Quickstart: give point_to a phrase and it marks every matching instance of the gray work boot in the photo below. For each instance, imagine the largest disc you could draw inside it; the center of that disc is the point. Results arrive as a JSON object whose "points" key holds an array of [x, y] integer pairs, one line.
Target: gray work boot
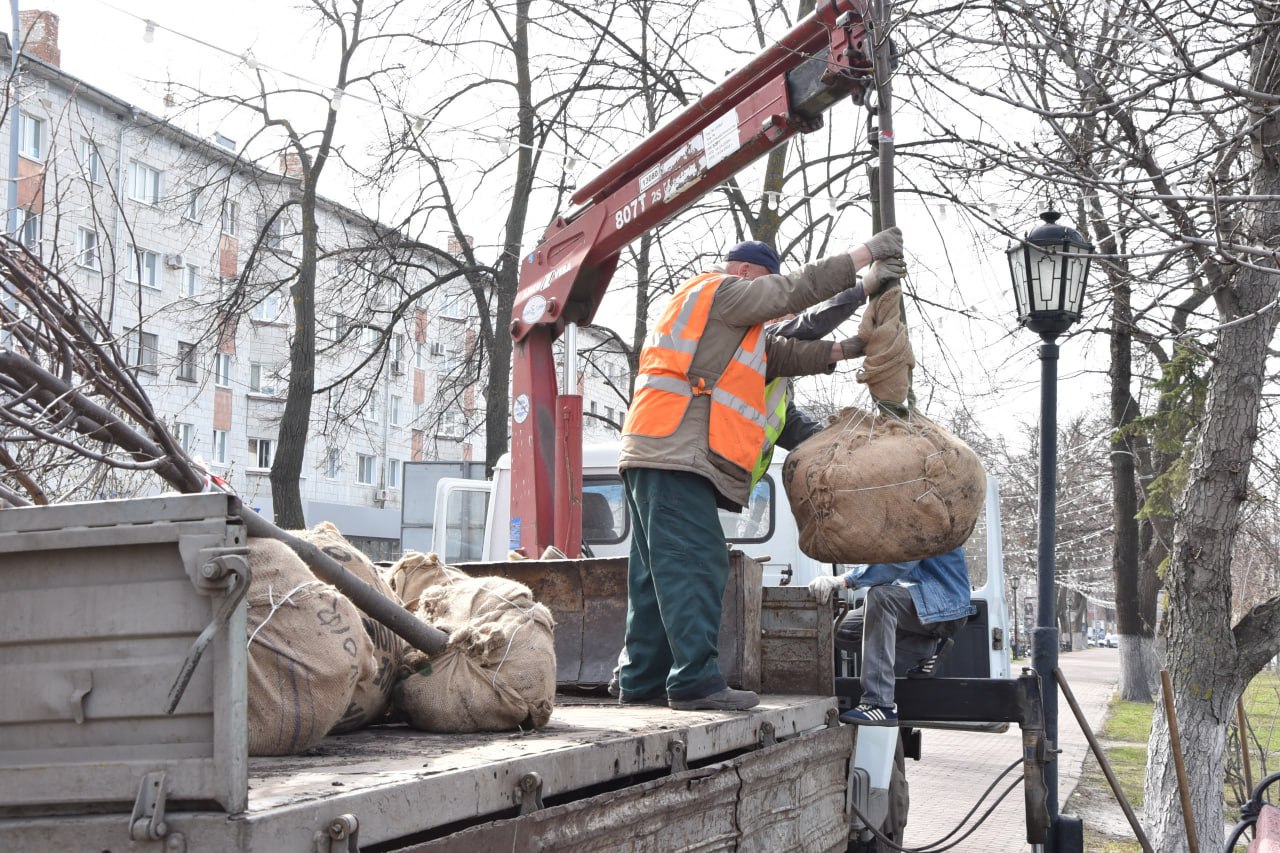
{"points": [[727, 699]]}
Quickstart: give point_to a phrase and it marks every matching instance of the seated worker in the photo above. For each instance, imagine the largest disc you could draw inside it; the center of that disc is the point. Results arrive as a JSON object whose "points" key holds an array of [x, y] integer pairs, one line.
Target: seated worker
{"points": [[912, 611]]}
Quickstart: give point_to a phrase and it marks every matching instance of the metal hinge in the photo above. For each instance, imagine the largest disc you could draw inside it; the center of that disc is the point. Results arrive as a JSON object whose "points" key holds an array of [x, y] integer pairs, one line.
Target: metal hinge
{"points": [[147, 821], [678, 751], [768, 735], [342, 835], [529, 793]]}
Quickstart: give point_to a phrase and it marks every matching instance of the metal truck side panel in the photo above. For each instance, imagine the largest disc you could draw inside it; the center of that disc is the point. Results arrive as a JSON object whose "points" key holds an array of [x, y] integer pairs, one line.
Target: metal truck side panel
{"points": [[787, 797], [588, 600], [797, 639], [102, 603], [397, 781]]}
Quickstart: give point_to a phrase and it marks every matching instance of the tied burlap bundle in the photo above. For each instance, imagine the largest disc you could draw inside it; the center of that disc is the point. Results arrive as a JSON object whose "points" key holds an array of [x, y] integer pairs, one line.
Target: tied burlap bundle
{"points": [[307, 651], [373, 690], [889, 358], [415, 571], [499, 669], [877, 488]]}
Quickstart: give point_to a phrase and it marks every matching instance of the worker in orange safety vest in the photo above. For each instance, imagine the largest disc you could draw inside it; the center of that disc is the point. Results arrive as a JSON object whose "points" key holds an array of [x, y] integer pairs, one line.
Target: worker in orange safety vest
{"points": [[691, 440]]}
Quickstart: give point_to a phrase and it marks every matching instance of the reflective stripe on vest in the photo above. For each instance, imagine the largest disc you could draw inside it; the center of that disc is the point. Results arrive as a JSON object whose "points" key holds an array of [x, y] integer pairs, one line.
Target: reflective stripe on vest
{"points": [[775, 409], [663, 388]]}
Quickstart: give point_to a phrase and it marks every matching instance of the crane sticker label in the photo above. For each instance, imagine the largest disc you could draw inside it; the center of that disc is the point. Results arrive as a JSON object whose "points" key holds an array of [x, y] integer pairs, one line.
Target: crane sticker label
{"points": [[520, 410], [720, 139], [670, 177]]}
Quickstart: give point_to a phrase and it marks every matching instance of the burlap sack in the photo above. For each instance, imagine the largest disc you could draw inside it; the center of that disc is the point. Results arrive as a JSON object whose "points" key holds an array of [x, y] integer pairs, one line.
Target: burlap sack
{"points": [[307, 650], [499, 669], [876, 488], [889, 359], [415, 571], [372, 695]]}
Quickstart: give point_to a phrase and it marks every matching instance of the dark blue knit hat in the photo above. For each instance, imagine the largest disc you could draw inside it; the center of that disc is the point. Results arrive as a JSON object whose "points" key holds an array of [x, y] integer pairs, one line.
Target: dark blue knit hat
{"points": [[755, 252]]}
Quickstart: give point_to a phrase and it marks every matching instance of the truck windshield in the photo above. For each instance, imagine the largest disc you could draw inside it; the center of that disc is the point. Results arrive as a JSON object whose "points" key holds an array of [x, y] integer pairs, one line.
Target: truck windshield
{"points": [[604, 511], [755, 523]]}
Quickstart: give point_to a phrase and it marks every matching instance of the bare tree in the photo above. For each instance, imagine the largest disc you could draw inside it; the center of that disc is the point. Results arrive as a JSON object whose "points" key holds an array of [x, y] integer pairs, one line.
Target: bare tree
{"points": [[1134, 111]]}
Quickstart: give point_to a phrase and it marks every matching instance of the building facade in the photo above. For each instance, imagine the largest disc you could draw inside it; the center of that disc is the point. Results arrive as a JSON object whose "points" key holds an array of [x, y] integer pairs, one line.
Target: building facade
{"points": [[188, 251]]}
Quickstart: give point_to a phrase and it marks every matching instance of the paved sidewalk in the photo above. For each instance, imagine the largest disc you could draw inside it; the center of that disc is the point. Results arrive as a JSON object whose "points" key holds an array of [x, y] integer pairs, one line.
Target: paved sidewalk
{"points": [[956, 767]]}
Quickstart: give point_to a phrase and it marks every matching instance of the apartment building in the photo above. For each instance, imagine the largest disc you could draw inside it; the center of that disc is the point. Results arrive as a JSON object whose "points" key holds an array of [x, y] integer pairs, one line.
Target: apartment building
{"points": [[188, 252]]}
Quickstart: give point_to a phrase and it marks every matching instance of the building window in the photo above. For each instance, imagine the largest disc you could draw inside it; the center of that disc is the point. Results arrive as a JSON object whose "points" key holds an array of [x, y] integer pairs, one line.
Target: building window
{"points": [[222, 370], [420, 354], [87, 248], [261, 379], [373, 409], [393, 473], [220, 446], [30, 233], [144, 267], [268, 310], [90, 162], [365, 472], [397, 405], [230, 217], [186, 361], [30, 137], [341, 325], [333, 465], [260, 454], [191, 280], [186, 437], [144, 183], [274, 237], [397, 354], [195, 206], [143, 351]]}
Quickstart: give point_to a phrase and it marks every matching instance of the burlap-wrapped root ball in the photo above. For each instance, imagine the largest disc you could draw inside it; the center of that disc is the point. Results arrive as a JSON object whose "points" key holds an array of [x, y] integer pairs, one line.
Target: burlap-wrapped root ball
{"points": [[415, 571], [307, 652], [372, 695], [877, 488], [499, 669]]}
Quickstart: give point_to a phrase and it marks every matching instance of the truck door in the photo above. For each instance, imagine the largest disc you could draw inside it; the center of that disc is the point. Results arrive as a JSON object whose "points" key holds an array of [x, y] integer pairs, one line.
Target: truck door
{"points": [[458, 528]]}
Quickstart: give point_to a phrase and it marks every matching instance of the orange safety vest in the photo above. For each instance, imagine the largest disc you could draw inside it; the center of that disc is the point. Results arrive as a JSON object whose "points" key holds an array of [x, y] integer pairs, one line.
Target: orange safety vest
{"points": [[663, 389]]}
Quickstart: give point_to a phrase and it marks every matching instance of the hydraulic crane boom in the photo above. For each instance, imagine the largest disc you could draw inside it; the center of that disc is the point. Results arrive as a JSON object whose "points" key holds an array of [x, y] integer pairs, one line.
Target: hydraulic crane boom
{"points": [[782, 91]]}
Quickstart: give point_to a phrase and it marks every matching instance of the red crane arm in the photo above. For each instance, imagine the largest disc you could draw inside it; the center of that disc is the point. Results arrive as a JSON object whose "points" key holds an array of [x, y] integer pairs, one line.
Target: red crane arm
{"points": [[782, 91]]}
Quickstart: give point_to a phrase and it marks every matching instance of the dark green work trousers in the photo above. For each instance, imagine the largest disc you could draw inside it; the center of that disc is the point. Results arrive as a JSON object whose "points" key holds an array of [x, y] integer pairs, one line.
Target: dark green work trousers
{"points": [[675, 586]]}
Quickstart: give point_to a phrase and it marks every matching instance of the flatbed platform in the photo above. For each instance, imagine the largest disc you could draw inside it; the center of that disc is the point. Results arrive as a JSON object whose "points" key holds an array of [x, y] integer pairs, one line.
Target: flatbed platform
{"points": [[393, 777]]}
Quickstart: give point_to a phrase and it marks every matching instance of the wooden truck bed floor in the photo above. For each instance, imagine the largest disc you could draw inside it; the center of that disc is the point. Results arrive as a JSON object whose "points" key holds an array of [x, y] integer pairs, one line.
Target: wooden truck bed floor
{"points": [[393, 777]]}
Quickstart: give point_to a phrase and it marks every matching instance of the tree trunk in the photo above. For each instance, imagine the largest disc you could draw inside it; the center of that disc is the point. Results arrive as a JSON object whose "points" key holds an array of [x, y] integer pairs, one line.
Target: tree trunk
{"points": [[1208, 662], [1135, 635], [507, 278], [295, 422]]}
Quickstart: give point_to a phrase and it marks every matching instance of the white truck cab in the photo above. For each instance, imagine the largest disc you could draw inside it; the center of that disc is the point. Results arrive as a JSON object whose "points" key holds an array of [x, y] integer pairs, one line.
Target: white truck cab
{"points": [[765, 530]]}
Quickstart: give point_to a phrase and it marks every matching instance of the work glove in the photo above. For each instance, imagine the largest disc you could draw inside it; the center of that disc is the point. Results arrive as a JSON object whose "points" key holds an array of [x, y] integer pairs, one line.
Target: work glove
{"points": [[854, 347], [885, 244], [824, 586], [883, 273]]}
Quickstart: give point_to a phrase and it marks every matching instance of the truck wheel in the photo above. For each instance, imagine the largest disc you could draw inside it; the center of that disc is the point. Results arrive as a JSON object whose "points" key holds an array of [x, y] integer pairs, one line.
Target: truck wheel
{"points": [[895, 823]]}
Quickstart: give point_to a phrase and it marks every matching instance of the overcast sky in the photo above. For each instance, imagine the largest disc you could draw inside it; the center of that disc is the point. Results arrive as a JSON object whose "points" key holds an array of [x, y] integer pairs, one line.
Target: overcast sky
{"points": [[103, 43]]}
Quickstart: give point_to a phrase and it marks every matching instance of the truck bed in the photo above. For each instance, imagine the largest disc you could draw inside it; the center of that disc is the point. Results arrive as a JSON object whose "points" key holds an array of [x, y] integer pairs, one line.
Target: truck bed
{"points": [[406, 787]]}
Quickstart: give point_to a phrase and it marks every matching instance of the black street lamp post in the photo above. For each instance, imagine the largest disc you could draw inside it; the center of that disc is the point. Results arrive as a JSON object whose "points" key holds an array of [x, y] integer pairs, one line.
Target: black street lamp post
{"points": [[1017, 612], [1049, 268]]}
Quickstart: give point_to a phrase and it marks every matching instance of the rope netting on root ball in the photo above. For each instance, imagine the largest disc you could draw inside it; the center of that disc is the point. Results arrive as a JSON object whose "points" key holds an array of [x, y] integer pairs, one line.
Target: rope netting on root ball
{"points": [[885, 484]]}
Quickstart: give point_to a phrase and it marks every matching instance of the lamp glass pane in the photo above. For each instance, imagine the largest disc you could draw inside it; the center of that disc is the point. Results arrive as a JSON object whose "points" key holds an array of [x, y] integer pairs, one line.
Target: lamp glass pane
{"points": [[1044, 266], [1077, 270], [1018, 271]]}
